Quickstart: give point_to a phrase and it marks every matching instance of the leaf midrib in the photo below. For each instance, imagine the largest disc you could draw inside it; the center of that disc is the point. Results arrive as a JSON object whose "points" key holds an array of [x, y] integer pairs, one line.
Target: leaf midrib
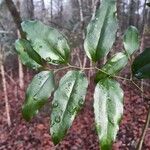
{"points": [[103, 29], [108, 119], [42, 86], [68, 100], [57, 52]]}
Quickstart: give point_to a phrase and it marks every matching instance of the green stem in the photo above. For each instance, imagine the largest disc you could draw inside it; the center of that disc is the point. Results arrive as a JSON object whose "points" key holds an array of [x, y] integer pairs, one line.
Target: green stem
{"points": [[81, 68], [113, 75], [71, 66], [93, 68], [56, 70], [102, 71]]}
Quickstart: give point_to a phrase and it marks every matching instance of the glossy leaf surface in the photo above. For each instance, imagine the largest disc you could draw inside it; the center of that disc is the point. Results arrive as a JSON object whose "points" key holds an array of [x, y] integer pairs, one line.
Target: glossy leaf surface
{"points": [[108, 109], [113, 66], [24, 57], [50, 44], [141, 65], [68, 99], [101, 31], [37, 94], [31, 52], [131, 40]]}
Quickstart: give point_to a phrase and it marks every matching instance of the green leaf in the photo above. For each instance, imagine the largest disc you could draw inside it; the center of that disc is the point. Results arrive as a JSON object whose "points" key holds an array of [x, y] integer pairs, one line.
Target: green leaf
{"points": [[50, 44], [101, 31], [141, 65], [37, 94], [31, 52], [112, 66], [24, 57], [131, 40], [108, 110], [68, 99]]}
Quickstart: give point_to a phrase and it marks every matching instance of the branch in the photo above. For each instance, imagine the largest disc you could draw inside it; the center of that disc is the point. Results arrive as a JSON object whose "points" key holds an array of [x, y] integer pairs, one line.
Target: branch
{"points": [[144, 131], [16, 16], [5, 32], [59, 26]]}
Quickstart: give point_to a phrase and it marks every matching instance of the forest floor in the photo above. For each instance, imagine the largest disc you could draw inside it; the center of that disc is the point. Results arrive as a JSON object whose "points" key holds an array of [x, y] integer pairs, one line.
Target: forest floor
{"points": [[82, 135]]}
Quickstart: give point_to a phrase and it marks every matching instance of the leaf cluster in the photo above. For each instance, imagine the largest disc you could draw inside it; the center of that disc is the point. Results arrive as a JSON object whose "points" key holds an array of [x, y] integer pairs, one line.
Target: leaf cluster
{"points": [[45, 45]]}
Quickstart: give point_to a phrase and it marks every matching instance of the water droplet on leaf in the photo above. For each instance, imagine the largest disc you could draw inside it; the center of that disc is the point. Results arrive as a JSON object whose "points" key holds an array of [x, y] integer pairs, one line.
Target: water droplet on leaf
{"points": [[52, 124], [48, 59], [40, 46], [34, 67], [69, 84], [71, 110], [39, 77], [57, 119], [81, 102], [109, 99], [55, 105], [60, 38], [139, 74], [55, 61], [34, 98]]}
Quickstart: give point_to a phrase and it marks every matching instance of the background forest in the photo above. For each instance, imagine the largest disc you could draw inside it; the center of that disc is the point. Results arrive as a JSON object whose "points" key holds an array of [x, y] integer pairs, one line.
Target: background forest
{"points": [[71, 18]]}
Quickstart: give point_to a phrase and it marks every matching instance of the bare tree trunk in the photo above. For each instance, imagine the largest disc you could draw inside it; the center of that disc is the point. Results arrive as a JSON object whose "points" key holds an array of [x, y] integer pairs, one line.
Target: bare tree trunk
{"points": [[21, 74], [81, 18], [123, 24], [142, 44], [142, 82], [119, 15], [5, 91], [95, 5], [43, 10], [148, 15], [60, 10], [51, 4], [17, 19], [20, 70], [144, 16], [16, 16], [5, 95], [131, 12], [27, 9], [138, 16], [82, 29], [43, 5]]}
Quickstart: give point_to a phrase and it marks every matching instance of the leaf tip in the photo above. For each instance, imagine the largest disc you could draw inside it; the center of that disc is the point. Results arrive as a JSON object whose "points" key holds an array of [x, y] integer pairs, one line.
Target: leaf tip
{"points": [[55, 139], [25, 115], [106, 146]]}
